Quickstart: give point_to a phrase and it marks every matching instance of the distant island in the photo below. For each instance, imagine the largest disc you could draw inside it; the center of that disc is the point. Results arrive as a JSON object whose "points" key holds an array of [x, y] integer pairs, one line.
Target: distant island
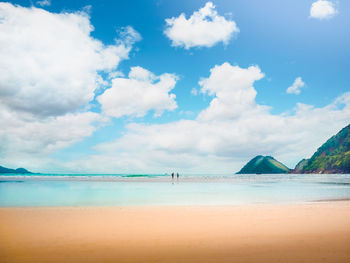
{"points": [[332, 157], [264, 165], [4, 170]]}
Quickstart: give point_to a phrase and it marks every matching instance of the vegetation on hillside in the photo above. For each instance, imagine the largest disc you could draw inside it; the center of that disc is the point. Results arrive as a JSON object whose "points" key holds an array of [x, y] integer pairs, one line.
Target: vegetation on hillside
{"points": [[264, 165], [332, 157]]}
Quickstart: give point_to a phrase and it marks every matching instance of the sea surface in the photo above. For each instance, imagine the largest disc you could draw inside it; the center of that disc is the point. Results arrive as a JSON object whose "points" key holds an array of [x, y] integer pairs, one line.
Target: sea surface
{"points": [[135, 190]]}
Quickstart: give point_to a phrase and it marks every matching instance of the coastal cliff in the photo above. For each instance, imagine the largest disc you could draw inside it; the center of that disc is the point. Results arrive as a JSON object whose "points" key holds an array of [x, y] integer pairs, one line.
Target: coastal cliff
{"points": [[332, 157]]}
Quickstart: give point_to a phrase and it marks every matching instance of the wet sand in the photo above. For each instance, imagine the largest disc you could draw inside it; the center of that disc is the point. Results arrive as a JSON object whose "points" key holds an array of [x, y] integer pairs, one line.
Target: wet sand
{"points": [[313, 232]]}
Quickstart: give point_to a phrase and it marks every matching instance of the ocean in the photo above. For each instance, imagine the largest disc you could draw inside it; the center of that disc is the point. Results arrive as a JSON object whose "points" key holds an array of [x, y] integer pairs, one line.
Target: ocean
{"points": [[154, 190]]}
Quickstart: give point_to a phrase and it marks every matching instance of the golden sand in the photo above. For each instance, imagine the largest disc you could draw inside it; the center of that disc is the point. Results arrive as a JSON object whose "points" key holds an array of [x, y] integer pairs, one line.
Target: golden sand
{"points": [[315, 232]]}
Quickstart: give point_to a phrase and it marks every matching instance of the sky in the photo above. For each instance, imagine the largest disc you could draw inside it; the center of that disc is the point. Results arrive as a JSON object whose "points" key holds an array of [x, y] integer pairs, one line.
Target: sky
{"points": [[159, 86]]}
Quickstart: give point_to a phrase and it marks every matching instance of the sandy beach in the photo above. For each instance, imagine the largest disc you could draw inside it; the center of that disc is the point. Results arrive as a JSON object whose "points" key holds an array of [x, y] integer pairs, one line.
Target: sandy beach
{"points": [[312, 232]]}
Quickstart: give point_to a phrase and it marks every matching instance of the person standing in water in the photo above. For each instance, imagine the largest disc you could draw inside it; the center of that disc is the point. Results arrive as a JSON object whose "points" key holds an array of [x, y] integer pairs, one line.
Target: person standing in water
{"points": [[172, 176], [177, 176]]}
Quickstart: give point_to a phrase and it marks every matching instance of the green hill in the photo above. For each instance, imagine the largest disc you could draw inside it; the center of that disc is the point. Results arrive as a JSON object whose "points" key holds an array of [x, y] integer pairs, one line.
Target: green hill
{"points": [[4, 170], [300, 166], [332, 157], [264, 165]]}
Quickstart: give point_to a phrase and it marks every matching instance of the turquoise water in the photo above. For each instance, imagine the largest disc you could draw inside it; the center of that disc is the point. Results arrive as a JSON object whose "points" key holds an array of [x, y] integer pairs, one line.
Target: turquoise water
{"points": [[121, 190]]}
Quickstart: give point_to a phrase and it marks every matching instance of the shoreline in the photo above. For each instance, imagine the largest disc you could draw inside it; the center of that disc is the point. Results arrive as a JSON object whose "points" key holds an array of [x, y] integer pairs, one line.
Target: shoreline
{"points": [[332, 200], [308, 232], [160, 177], [260, 204]]}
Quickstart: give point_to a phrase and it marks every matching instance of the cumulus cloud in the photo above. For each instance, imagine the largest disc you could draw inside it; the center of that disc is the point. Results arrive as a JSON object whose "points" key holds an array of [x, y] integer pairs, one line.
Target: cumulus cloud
{"points": [[233, 90], [224, 137], [50, 68], [323, 9], [297, 85], [49, 63], [204, 28], [141, 92]]}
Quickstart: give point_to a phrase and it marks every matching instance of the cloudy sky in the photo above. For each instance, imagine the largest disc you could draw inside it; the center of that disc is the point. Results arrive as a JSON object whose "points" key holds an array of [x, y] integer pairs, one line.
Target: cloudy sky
{"points": [[156, 86]]}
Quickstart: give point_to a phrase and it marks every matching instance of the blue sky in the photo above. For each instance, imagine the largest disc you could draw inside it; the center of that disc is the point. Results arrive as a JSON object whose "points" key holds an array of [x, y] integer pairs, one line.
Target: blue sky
{"points": [[283, 40]]}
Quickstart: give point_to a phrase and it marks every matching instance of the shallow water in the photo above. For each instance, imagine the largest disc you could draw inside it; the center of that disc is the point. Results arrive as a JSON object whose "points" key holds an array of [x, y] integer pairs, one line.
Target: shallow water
{"points": [[121, 190]]}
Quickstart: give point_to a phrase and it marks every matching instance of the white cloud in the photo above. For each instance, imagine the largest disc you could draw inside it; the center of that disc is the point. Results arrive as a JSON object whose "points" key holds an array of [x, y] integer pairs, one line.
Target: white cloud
{"points": [[50, 68], [49, 63], [297, 85], [141, 92], [115, 74], [233, 90], [204, 28], [44, 3], [128, 36], [222, 138], [22, 135], [323, 9]]}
